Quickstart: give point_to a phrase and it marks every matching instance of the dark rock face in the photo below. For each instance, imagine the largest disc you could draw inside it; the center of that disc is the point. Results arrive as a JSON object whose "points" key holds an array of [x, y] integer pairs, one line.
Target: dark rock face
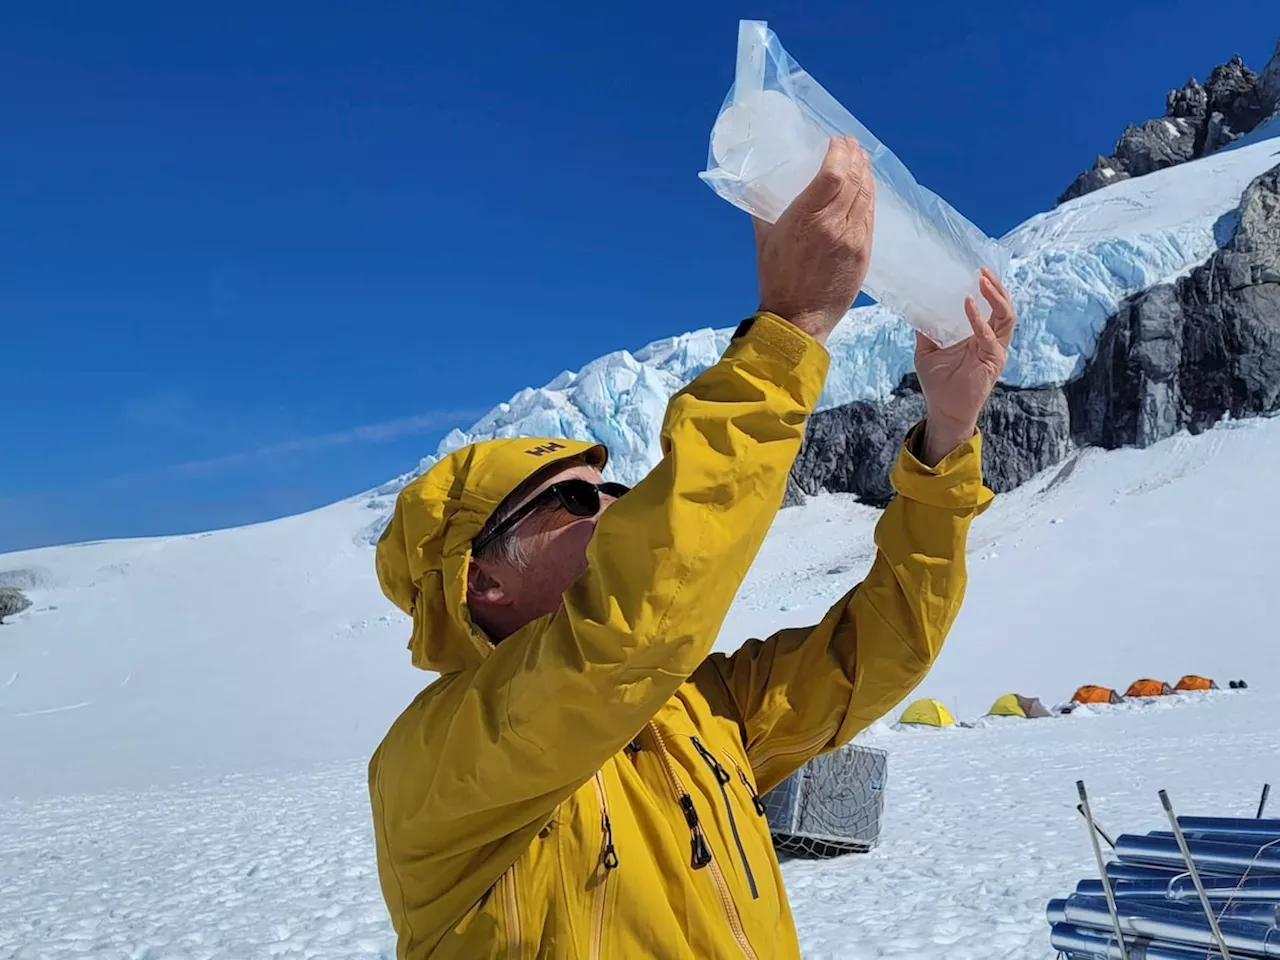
{"points": [[1189, 353], [1269, 82], [852, 448], [1198, 120], [1177, 356]]}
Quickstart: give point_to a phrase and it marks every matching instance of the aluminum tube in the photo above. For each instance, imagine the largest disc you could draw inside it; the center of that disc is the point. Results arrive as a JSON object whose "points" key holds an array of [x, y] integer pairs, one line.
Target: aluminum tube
{"points": [[1251, 839], [1210, 856], [1091, 943], [1229, 825], [1138, 871], [1229, 888], [1056, 911], [1259, 910], [1218, 888], [1141, 919]]}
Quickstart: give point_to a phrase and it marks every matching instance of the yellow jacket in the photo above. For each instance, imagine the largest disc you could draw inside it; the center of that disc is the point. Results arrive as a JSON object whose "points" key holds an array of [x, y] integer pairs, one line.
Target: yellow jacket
{"points": [[588, 788]]}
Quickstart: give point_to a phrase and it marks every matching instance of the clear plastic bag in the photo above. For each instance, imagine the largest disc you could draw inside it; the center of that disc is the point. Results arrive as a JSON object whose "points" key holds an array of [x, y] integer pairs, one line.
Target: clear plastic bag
{"points": [[768, 142]]}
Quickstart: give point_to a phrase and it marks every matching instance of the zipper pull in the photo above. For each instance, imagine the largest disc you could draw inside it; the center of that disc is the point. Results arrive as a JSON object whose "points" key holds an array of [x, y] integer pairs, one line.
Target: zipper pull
{"points": [[610, 855], [722, 775], [701, 852], [755, 797], [634, 746]]}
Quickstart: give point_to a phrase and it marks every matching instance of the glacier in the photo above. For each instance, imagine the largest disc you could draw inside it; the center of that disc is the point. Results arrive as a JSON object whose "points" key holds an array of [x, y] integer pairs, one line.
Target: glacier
{"points": [[1069, 269]]}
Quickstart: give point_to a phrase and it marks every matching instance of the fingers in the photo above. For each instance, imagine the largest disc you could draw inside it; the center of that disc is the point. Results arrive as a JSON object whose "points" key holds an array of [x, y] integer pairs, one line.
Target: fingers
{"points": [[862, 208], [981, 328], [824, 189], [1003, 314]]}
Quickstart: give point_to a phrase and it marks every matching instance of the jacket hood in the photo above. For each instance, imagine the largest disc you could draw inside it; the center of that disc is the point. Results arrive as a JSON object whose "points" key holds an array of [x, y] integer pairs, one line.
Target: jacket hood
{"points": [[423, 555]]}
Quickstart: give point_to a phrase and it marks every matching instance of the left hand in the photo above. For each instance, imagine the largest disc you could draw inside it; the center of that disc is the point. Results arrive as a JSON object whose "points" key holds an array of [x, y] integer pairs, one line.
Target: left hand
{"points": [[956, 381]]}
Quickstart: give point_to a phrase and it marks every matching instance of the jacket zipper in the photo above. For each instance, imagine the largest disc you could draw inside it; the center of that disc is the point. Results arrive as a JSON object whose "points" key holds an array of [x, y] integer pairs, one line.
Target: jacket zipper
{"points": [[691, 817], [755, 797], [608, 860], [511, 907], [723, 778]]}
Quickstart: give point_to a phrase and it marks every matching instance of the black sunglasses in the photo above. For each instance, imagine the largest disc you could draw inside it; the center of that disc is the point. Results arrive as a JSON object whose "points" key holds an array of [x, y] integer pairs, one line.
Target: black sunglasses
{"points": [[579, 497]]}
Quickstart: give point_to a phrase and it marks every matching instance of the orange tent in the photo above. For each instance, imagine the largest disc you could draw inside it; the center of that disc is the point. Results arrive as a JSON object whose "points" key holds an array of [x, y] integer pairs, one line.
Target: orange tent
{"points": [[1148, 688], [1090, 694], [1193, 682]]}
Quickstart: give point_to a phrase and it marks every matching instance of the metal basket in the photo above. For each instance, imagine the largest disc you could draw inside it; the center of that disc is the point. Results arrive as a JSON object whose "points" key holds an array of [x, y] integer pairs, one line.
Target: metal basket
{"points": [[830, 806]]}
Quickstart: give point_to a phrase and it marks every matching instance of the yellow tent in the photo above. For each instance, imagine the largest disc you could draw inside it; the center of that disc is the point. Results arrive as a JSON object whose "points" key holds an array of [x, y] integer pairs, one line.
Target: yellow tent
{"points": [[1013, 705], [927, 713]]}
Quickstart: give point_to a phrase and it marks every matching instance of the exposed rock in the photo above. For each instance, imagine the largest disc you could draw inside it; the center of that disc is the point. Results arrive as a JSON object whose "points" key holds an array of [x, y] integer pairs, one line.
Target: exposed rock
{"points": [[1198, 120], [1190, 101], [1177, 356], [852, 448], [1184, 355], [1105, 171], [1218, 134], [1233, 92], [1156, 144], [12, 602], [1269, 84]]}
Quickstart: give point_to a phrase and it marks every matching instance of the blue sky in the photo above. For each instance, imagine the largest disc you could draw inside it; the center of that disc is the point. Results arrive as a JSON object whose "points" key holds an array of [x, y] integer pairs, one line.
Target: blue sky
{"points": [[258, 257]]}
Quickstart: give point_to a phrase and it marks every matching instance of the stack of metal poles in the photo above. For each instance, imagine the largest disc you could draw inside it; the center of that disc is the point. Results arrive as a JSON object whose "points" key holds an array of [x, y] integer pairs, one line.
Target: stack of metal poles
{"points": [[1159, 912]]}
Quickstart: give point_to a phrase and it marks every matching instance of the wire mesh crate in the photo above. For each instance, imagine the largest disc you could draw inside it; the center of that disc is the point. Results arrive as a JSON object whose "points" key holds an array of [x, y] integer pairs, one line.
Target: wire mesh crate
{"points": [[830, 806]]}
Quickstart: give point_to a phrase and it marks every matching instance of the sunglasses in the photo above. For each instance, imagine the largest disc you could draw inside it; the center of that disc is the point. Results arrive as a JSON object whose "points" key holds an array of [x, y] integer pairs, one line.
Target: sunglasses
{"points": [[579, 497]]}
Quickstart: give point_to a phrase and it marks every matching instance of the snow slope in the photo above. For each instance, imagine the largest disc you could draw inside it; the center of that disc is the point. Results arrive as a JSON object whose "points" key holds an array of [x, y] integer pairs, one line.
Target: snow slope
{"points": [[979, 833], [1070, 268], [184, 722]]}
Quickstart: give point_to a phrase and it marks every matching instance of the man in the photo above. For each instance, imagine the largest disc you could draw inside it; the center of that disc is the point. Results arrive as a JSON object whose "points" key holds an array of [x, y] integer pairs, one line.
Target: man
{"points": [[583, 779]]}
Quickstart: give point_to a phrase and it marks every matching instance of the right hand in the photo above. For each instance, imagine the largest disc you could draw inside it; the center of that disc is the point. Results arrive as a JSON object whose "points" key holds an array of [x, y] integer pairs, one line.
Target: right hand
{"points": [[813, 260]]}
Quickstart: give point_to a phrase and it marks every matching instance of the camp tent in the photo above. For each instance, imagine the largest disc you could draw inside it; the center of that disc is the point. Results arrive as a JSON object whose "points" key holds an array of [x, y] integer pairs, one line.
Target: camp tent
{"points": [[927, 713], [1091, 694], [1148, 688], [1016, 705], [1193, 682]]}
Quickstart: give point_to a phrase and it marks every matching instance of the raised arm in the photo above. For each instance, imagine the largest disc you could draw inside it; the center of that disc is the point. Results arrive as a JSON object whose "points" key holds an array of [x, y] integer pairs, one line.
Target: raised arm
{"points": [[806, 691]]}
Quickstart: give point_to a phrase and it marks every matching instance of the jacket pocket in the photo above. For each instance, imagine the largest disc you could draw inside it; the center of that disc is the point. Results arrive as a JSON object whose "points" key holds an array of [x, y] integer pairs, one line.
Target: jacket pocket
{"points": [[722, 778]]}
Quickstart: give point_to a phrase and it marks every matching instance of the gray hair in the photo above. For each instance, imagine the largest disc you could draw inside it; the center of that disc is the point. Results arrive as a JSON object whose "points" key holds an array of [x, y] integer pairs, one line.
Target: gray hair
{"points": [[508, 547]]}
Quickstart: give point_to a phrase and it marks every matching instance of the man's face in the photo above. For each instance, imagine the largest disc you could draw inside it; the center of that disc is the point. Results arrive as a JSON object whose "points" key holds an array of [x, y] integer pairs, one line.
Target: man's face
{"points": [[552, 544]]}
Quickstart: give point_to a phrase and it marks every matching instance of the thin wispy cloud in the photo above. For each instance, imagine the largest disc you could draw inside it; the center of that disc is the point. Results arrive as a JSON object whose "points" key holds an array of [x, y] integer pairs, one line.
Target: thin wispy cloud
{"points": [[383, 432]]}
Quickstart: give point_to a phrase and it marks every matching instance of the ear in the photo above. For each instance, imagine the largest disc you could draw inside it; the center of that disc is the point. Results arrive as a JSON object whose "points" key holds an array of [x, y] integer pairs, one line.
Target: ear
{"points": [[485, 586]]}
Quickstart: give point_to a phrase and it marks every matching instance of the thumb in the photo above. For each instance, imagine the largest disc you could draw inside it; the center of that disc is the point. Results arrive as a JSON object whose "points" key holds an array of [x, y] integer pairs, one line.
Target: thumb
{"points": [[825, 186]]}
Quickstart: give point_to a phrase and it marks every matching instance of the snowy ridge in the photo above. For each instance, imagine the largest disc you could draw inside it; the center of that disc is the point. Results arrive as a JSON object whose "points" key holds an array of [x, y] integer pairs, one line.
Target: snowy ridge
{"points": [[1070, 268]]}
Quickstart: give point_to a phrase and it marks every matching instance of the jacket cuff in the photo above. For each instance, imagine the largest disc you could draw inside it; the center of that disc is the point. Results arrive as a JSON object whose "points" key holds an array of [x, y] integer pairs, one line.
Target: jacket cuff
{"points": [[785, 354], [954, 484]]}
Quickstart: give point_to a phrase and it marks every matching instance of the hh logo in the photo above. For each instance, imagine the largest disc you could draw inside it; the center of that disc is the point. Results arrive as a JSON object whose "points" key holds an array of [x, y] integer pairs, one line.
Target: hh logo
{"points": [[545, 448]]}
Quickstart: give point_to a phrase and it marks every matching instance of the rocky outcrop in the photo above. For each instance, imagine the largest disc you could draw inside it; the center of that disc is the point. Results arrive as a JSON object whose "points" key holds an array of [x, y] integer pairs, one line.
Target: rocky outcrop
{"points": [[12, 602], [1269, 80], [1177, 356], [1198, 120], [1188, 354], [852, 448]]}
